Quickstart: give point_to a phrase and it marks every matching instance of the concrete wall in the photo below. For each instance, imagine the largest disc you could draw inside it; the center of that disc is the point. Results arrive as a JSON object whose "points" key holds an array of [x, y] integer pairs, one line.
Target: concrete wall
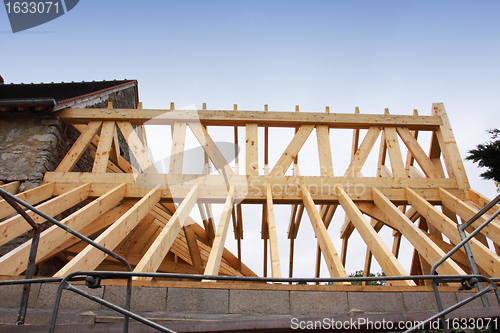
{"points": [[174, 302]]}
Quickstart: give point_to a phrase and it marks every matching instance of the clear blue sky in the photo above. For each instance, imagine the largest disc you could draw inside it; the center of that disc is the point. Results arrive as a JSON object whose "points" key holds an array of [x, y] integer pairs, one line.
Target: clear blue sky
{"points": [[402, 55]]}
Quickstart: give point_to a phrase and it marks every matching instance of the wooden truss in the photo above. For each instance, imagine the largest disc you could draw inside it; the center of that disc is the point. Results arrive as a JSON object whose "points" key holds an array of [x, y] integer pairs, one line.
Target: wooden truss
{"points": [[144, 215]]}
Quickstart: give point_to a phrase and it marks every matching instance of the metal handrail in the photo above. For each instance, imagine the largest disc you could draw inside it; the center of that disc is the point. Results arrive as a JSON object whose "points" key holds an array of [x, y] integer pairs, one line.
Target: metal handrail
{"points": [[101, 275], [464, 243], [13, 201], [93, 278]]}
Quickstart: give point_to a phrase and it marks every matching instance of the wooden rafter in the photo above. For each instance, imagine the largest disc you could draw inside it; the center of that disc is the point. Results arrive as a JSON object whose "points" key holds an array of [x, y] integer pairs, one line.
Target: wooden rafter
{"points": [[157, 252], [384, 256], [291, 151], [78, 148], [14, 262], [332, 259], [485, 258], [212, 267], [273, 237], [91, 257]]}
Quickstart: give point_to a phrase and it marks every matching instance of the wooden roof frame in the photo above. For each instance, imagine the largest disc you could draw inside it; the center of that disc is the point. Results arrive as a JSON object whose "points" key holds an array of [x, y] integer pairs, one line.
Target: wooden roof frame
{"points": [[403, 197]]}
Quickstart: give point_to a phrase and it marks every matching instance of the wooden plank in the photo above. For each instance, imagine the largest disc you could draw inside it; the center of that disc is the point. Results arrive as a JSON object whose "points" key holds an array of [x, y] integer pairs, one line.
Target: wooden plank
{"points": [[485, 258], [211, 224], [17, 225], [194, 250], [382, 170], [449, 148], [291, 151], [252, 153], [241, 118], [12, 187], [114, 155], [75, 152], [209, 228], [390, 265], [15, 261], [391, 138], [332, 259], [359, 158], [135, 145], [177, 152], [409, 157], [396, 243], [273, 237], [100, 223], [213, 264], [103, 150], [160, 247], [418, 153], [425, 247], [32, 197], [236, 152], [466, 212], [324, 151], [91, 257], [327, 213], [201, 134], [266, 151], [288, 184]]}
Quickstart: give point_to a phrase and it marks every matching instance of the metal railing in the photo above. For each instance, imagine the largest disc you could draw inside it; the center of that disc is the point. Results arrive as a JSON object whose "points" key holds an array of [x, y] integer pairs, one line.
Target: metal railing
{"points": [[93, 278], [14, 202], [465, 244]]}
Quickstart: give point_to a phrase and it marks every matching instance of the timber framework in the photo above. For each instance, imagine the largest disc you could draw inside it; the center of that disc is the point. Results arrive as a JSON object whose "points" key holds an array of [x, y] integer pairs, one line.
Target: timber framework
{"points": [[143, 215]]}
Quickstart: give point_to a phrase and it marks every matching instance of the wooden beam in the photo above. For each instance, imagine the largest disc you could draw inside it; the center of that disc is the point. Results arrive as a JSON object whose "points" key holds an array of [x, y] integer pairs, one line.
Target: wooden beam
{"points": [[12, 187], [32, 197], [201, 134], [114, 155], [418, 153], [212, 267], [138, 150], [425, 247], [332, 259], [177, 152], [194, 250], [14, 262], [17, 225], [291, 151], [241, 118], [320, 187], [211, 224], [266, 151], [385, 258], [76, 151], [359, 158], [103, 150], [391, 138], [100, 223], [485, 258], [324, 151], [209, 228], [91, 257], [160, 247], [466, 212], [273, 237], [252, 153], [449, 148]]}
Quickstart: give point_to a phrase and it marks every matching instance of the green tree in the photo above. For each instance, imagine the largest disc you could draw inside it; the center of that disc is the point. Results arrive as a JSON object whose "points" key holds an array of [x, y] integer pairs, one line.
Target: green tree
{"points": [[487, 155], [369, 283]]}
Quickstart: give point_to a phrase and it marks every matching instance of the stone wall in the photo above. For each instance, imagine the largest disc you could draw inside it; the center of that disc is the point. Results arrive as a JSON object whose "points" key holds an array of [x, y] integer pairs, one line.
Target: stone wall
{"points": [[34, 142]]}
